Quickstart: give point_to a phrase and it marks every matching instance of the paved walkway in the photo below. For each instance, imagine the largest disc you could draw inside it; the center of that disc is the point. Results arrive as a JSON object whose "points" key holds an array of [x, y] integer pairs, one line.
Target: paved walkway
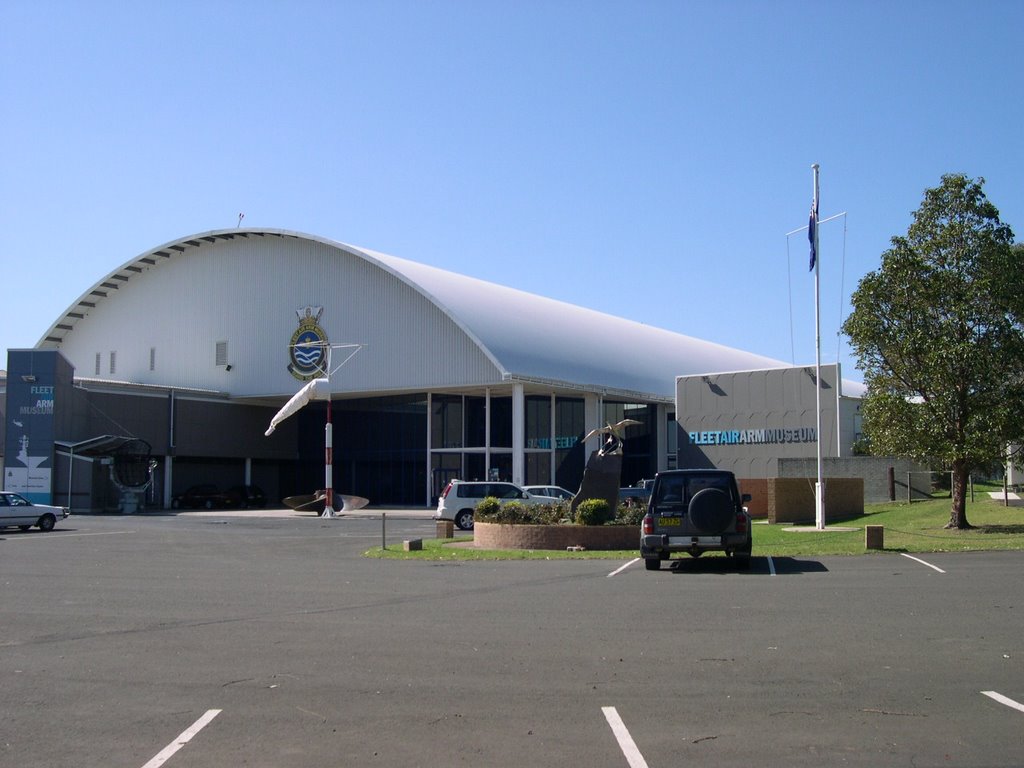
{"points": [[397, 513], [1012, 499]]}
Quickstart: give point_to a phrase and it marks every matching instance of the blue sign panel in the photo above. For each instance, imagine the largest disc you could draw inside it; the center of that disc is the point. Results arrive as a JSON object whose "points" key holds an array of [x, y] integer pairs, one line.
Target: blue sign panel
{"points": [[28, 448]]}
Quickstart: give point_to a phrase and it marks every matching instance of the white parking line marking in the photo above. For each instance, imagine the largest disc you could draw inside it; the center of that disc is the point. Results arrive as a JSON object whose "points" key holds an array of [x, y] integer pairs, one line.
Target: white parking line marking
{"points": [[185, 737], [624, 567], [1004, 700], [771, 565], [922, 562], [626, 743]]}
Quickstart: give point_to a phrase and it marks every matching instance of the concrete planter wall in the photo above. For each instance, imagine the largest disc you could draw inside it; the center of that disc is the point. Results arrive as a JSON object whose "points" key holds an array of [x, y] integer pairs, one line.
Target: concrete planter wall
{"points": [[504, 536]]}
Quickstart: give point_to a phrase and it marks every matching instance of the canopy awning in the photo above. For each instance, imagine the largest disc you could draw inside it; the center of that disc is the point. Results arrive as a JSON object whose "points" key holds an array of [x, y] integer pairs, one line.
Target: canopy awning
{"points": [[102, 445]]}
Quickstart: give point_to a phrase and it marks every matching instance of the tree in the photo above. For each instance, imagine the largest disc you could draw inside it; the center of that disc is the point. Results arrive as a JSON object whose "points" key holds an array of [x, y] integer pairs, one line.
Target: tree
{"points": [[938, 331]]}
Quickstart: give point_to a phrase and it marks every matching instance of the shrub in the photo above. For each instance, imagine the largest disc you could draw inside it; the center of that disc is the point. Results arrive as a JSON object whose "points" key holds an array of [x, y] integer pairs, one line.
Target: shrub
{"points": [[593, 512], [491, 510], [514, 512], [557, 513], [487, 509], [630, 514]]}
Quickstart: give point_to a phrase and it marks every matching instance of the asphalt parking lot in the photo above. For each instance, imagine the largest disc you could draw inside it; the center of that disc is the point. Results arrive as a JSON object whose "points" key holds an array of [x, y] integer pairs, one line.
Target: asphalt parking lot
{"points": [[212, 640]]}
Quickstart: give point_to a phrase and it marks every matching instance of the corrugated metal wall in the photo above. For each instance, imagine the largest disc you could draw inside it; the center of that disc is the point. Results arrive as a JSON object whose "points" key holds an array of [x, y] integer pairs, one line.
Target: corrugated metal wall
{"points": [[245, 292]]}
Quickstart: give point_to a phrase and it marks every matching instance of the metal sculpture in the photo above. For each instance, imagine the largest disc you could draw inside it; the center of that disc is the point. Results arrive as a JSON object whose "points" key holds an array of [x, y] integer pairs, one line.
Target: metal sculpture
{"points": [[602, 476]]}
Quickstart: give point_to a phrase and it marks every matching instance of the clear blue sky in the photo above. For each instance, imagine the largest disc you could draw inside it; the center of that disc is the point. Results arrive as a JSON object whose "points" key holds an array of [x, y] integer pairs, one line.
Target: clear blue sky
{"points": [[642, 158]]}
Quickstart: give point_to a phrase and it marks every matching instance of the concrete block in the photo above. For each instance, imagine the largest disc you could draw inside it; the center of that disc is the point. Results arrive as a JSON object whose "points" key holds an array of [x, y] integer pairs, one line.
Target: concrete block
{"points": [[412, 545], [445, 529], [874, 537]]}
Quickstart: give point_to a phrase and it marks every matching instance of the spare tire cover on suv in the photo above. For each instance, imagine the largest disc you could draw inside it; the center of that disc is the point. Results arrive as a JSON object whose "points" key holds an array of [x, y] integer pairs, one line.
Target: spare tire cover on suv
{"points": [[711, 510]]}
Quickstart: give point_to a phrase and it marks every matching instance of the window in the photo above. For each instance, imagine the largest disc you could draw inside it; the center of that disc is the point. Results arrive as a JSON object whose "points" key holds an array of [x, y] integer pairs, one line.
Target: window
{"points": [[501, 422], [113, 363], [538, 468], [98, 363], [221, 353], [446, 421], [538, 422]]}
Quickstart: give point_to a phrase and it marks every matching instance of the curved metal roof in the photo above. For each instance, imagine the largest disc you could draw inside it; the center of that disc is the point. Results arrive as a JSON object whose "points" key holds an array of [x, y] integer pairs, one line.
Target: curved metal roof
{"points": [[532, 336], [528, 337]]}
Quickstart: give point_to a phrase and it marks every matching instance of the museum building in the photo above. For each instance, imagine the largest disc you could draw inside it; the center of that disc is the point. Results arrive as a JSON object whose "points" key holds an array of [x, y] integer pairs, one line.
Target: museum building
{"points": [[183, 355]]}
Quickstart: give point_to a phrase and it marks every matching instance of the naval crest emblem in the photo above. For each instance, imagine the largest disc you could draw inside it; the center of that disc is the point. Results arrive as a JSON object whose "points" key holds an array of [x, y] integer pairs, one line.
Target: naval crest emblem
{"points": [[308, 346]]}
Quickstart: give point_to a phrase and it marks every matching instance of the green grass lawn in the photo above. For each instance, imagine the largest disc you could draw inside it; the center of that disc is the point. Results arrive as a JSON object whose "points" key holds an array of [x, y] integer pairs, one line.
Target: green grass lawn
{"points": [[916, 527]]}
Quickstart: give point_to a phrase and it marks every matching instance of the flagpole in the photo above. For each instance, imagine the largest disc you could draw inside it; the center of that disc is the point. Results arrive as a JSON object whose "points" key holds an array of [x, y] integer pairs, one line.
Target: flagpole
{"points": [[819, 486]]}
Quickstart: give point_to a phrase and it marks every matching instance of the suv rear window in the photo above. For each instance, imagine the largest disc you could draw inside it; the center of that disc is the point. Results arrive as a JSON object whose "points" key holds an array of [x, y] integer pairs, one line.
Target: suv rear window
{"points": [[680, 489]]}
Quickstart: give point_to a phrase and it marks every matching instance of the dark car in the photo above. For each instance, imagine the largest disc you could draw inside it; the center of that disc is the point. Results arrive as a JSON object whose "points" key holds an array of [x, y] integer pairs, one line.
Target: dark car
{"points": [[246, 497], [200, 496], [637, 494], [695, 511]]}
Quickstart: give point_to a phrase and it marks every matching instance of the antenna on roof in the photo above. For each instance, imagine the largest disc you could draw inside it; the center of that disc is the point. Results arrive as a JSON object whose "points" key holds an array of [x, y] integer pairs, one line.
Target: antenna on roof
{"points": [[240, 217]]}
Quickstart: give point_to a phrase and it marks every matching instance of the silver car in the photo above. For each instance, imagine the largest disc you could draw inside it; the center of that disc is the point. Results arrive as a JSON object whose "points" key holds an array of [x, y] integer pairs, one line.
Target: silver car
{"points": [[555, 491], [16, 510]]}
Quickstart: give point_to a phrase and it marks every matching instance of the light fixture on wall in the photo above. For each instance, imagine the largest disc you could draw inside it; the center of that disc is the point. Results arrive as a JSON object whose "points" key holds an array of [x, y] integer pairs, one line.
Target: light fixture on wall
{"points": [[29, 378], [227, 367]]}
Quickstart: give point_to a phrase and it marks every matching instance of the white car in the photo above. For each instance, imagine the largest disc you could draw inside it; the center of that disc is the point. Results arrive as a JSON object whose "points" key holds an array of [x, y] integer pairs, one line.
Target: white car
{"points": [[550, 490], [16, 510], [460, 498]]}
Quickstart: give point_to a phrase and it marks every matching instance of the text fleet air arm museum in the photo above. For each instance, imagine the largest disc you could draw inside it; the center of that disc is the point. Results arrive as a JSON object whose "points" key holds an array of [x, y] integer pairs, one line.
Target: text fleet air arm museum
{"points": [[172, 366]]}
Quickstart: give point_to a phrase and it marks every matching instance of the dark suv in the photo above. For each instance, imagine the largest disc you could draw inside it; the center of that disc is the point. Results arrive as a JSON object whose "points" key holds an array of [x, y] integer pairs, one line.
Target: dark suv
{"points": [[246, 497], [695, 511]]}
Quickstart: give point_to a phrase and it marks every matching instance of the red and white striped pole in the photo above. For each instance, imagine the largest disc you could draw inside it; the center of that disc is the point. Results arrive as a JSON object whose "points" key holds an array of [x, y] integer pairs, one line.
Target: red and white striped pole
{"points": [[329, 464]]}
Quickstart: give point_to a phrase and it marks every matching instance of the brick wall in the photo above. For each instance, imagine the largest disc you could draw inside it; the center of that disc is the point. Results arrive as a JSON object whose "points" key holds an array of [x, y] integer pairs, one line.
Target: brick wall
{"points": [[758, 490], [503, 536], [791, 500]]}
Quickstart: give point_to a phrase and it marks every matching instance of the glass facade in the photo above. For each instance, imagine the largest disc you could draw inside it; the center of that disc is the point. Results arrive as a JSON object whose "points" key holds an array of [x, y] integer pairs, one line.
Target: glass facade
{"points": [[446, 421], [538, 439], [381, 444], [640, 449], [459, 439], [552, 430], [570, 428], [379, 448]]}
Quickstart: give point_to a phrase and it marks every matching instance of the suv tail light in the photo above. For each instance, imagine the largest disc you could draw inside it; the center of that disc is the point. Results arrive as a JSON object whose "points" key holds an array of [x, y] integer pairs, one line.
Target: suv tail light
{"points": [[741, 523], [444, 493], [648, 524]]}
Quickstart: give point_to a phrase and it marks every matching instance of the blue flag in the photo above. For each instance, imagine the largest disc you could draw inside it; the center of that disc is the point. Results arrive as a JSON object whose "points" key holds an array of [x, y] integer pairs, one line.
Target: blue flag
{"points": [[812, 227]]}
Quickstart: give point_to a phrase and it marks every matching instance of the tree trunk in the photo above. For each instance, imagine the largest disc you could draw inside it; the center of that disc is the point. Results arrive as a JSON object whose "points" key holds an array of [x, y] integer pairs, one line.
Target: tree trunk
{"points": [[958, 514]]}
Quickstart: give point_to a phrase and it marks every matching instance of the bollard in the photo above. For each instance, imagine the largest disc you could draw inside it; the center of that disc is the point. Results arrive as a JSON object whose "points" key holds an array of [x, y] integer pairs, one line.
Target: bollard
{"points": [[445, 530], [874, 536], [383, 530]]}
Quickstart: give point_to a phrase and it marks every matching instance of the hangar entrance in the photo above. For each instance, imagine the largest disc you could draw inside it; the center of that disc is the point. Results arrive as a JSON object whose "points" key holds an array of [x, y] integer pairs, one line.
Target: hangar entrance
{"points": [[380, 448]]}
